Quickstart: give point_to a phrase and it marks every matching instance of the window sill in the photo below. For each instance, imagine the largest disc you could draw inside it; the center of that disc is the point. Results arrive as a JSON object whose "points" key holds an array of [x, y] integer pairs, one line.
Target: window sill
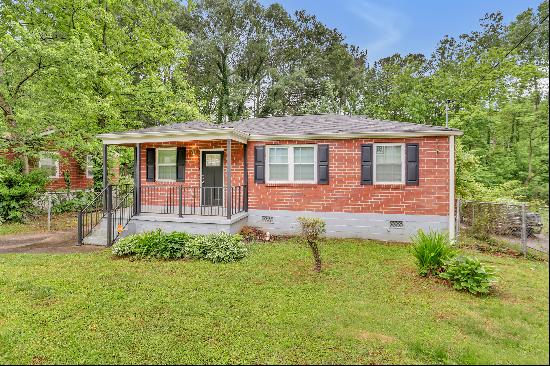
{"points": [[291, 184], [389, 185]]}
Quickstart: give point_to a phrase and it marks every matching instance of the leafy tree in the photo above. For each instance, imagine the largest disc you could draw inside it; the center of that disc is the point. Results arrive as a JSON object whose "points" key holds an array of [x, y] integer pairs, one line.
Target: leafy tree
{"points": [[250, 60], [72, 69], [501, 102]]}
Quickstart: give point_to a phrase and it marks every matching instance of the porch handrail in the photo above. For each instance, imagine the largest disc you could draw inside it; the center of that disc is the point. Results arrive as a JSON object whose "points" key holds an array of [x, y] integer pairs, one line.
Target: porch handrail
{"points": [[91, 215], [121, 214], [192, 200]]}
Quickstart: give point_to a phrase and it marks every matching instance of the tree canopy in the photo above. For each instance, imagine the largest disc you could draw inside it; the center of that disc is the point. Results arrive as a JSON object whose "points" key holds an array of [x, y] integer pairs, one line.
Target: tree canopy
{"points": [[70, 69]]}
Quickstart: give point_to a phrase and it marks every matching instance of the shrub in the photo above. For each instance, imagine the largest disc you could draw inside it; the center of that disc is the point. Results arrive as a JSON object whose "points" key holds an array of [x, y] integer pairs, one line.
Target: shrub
{"points": [[312, 229], [74, 203], [431, 251], [176, 245], [468, 273], [250, 233], [18, 192], [220, 247]]}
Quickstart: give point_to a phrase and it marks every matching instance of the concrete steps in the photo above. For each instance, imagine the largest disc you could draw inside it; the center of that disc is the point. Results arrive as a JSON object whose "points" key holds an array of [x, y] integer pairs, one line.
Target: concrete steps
{"points": [[98, 236]]}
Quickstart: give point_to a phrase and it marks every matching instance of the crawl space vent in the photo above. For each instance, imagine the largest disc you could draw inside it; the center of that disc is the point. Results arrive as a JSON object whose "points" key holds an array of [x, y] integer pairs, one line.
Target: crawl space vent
{"points": [[267, 219], [396, 224]]}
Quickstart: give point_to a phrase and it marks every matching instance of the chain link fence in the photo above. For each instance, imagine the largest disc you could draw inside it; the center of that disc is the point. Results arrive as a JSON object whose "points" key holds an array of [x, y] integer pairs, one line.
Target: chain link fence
{"points": [[55, 202], [521, 225]]}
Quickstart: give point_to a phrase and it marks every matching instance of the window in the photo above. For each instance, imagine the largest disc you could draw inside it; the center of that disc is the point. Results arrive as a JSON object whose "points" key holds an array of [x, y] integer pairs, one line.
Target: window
{"points": [[166, 164], [50, 165], [213, 159], [291, 164], [89, 167], [389, 164]]}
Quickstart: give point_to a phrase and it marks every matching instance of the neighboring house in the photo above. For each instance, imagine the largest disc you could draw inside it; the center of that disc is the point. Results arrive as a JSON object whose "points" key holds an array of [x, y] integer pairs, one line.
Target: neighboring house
{"points": [[62, 166], [366, 178]]}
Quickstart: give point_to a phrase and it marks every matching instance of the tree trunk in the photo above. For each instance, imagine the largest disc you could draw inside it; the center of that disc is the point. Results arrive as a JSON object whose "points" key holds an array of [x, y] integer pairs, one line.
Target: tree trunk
{"points": [[25, 160], [316, 255], [530, 161]]}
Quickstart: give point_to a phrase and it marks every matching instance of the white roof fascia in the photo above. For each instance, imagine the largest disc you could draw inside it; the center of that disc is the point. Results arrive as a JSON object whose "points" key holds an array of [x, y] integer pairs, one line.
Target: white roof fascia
{"points": [[353, 135], [167, 136]]}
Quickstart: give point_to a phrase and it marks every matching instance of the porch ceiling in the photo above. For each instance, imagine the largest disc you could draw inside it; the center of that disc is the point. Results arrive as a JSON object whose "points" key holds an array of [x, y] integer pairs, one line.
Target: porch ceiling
{"points": [[129, 138]]}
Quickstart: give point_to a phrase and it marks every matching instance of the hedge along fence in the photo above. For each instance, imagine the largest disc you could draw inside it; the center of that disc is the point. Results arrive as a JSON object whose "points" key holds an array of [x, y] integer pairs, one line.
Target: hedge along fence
{"points": [[216, 248]]}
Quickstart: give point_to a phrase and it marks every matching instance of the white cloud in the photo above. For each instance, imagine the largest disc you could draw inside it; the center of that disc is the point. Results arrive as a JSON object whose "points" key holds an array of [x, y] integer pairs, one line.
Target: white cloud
{"points": [[384, 28]]}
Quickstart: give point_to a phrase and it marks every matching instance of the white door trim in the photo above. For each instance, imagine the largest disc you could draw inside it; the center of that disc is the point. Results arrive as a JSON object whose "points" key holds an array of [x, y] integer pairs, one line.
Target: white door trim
{"points": [[200, 171]]}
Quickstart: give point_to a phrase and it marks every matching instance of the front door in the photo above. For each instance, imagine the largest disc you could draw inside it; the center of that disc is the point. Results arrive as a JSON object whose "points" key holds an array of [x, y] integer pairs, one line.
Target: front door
{"points": [[212, 178]]}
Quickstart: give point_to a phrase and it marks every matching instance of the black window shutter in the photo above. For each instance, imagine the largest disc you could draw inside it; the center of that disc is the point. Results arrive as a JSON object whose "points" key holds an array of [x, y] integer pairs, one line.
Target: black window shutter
{"points": [[366, 164], [180, 164], [322, 164], [259, 164], [412, 159], [150, 165]]}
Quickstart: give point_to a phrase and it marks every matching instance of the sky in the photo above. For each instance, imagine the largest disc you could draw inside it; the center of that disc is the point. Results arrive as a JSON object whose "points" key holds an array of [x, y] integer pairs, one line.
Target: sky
{"points": [[400, 26]]}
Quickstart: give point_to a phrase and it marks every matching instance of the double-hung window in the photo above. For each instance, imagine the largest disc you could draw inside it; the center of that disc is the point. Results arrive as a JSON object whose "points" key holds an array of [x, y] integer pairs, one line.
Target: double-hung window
{"points": [[89, 167], [291, 164], [166, 164], [389, 163], [50, 164]]}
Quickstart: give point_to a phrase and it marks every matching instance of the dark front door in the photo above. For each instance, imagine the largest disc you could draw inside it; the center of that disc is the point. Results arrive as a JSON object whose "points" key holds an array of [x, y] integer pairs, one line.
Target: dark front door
{"points": [[212, 178]]}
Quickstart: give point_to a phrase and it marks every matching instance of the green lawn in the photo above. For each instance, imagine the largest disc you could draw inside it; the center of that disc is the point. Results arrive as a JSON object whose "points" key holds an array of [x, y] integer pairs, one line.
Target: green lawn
{"points": [[367, 306], [59, 222]]}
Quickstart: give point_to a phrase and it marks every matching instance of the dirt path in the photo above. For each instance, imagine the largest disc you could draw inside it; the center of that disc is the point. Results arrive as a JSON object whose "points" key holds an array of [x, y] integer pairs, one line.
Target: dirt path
{"points": [[44, 242]]}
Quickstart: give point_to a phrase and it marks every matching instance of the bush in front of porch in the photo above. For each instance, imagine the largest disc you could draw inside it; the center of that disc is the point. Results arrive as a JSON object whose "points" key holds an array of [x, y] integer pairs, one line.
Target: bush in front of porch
{"points": [[219, 247]]}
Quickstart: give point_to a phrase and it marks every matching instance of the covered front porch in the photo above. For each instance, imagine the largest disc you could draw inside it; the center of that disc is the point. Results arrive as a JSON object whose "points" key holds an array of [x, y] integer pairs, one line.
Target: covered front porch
{"points": [[193, 181]]}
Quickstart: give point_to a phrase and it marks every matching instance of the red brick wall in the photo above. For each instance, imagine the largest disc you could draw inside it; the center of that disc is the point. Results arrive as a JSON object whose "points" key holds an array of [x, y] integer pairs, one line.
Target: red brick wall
{"points": [[344, 193], [78, 175]]}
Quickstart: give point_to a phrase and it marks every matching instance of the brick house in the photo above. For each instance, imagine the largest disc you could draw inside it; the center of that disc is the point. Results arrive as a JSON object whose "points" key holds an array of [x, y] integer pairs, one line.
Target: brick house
{"points": [[65, 172], [366, 178]]}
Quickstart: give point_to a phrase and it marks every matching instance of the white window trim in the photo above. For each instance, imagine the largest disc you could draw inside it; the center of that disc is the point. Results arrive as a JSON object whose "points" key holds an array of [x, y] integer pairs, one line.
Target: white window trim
{"points": [[45, 155], [157, 164], [89, 166], [403, 162], [291, 165]]}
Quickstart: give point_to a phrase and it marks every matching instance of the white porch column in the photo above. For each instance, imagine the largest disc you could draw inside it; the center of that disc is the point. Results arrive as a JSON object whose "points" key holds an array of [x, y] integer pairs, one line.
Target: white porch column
{"points": [[228, 179], [451, 187]]}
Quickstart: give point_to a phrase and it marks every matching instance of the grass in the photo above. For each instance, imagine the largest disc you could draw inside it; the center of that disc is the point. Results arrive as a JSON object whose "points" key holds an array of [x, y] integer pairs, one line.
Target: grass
{"points": [[367, 306], [60, 222]]}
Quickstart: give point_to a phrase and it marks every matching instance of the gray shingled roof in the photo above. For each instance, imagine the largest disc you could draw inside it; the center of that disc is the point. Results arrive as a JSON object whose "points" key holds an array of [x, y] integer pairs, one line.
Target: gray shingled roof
{"points": [[182, 126], [328, 124], [324, 124]]}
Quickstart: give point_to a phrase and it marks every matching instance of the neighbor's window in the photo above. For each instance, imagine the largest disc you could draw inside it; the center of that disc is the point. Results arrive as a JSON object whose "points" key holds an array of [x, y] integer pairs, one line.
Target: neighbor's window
{"points": [[291, 164], [50, 165], [388, 163], [166, 164], [89, 167]]}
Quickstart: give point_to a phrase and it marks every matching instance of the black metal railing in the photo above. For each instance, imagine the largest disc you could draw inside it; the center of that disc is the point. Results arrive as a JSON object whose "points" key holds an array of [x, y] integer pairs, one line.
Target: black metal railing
{"points": [[204, 201], [95, 211], [119, 203], [91, 215], [120, 211]]}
